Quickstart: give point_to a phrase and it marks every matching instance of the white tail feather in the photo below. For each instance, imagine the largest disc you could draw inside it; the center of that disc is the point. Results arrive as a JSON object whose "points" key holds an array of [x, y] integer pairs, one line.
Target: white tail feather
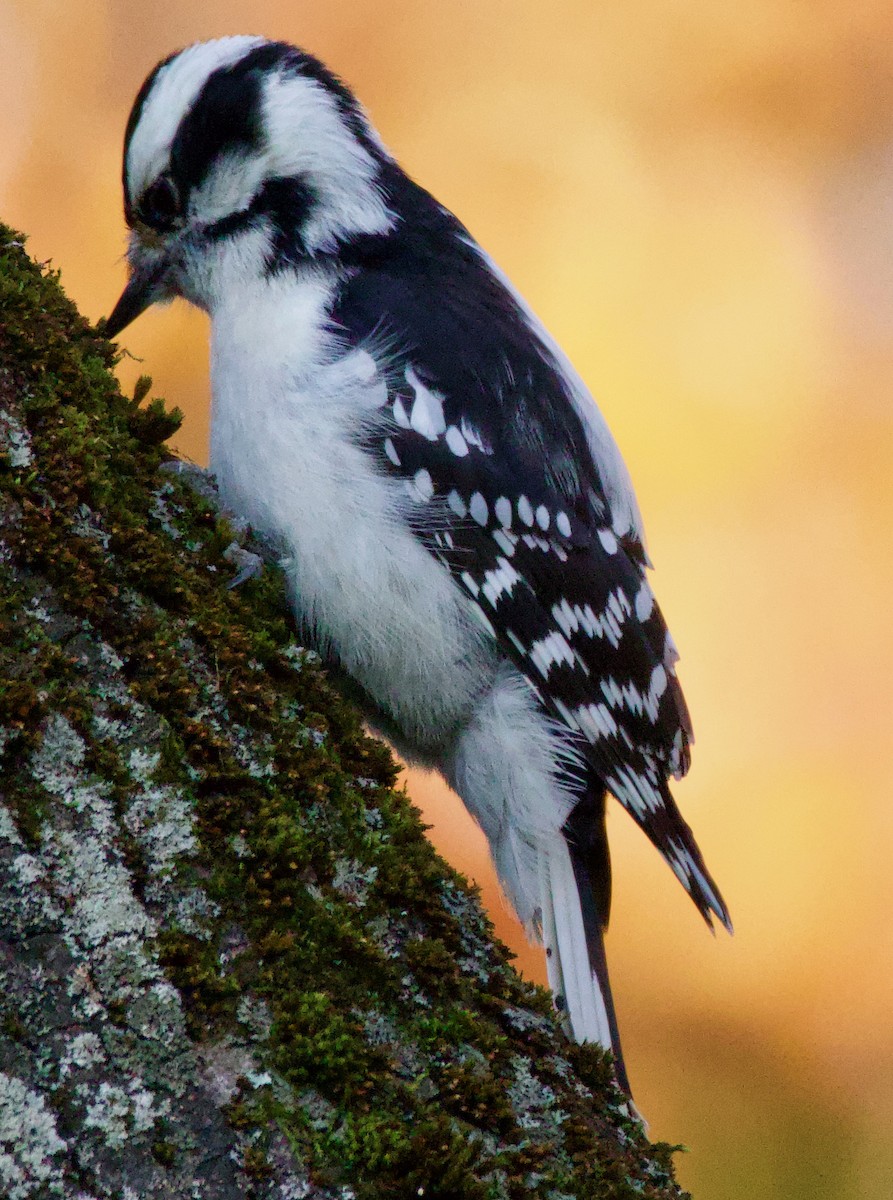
{"points": [[567, 956]]}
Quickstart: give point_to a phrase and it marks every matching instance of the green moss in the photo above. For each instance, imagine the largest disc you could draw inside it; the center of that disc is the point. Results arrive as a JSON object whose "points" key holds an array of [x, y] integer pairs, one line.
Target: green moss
{"points": [[396, 1024], [191, 965], [164, 1153]]}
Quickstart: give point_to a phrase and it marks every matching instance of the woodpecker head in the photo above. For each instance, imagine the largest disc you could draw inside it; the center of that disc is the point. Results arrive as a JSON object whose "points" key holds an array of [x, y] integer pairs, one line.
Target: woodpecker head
{"points": [[242, 155]]}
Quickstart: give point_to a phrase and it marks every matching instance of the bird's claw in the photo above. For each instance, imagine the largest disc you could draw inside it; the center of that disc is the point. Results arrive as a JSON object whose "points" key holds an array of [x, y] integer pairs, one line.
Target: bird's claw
{"points": [[249, 564]]}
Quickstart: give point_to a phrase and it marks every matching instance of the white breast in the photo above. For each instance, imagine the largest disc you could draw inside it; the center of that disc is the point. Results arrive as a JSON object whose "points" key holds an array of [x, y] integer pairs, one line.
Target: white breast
{"points": [[287, 403]]}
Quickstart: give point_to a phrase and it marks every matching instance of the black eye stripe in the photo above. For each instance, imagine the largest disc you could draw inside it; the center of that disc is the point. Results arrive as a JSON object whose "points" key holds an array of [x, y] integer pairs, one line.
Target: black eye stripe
{"points": [[286, 202]]}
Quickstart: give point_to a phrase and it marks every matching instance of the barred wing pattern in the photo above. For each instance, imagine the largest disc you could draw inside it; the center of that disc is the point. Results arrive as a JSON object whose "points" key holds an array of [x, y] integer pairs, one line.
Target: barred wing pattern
{"points": [[567, 601]]}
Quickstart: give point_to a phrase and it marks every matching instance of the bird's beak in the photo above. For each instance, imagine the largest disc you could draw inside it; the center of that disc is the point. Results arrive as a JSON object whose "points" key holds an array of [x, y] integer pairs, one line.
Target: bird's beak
{"points": [[147, 284]]}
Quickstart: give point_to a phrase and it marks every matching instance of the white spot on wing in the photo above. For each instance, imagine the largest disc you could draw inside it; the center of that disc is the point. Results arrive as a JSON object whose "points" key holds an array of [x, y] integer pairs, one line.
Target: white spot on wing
{"points": [[503, 509], [426, 416], [505, 541], [566, 713], [566, 617], [456, 442], [547, 652], [422, 486], [391, 452], [644, 601], [617, 606], [525, 511], [516, 641], [472, 436], [563, 523], [542, 517], [400, 414], [596, 721], [457, 504], [500, 581], [478, 509], [607, 625], [638, 793], [658, 681], [628, 696], [470, 583], [607, 539]]}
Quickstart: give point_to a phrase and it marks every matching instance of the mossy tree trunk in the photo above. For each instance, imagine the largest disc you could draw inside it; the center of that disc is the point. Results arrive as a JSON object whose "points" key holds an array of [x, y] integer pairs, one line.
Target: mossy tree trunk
{"points": [[230, 963]]}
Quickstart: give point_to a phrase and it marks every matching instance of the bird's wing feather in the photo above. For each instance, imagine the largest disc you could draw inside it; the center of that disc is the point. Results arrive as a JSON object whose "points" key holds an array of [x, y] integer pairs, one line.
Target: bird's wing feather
{"points": [[502, 488]]}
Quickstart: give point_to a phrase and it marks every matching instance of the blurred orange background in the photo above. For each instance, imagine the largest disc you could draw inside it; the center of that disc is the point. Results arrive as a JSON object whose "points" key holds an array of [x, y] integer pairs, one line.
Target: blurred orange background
{"points": [[697, 197]]}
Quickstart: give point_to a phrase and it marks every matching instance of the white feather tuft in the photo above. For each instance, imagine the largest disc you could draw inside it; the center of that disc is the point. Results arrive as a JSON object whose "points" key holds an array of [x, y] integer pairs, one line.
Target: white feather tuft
{"points": [[516, 772]]}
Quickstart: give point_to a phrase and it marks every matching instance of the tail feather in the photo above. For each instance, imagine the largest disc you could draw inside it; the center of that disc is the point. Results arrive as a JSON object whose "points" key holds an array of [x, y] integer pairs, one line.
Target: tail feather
{"points": [[575, 958], [646, 795], [594, 925]]}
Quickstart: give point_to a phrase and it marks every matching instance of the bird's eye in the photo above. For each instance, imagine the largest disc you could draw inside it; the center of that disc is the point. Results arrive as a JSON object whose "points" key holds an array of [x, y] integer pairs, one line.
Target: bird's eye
{"points": [[160, 205]]}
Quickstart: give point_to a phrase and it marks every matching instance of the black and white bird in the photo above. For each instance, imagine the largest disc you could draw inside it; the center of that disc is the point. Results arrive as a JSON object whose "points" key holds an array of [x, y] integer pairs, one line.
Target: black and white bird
{"points": [[457, 525]]}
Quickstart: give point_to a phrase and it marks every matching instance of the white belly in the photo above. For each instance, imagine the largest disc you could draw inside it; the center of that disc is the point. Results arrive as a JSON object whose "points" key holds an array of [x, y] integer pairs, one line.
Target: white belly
{"points": [[362, 583]]}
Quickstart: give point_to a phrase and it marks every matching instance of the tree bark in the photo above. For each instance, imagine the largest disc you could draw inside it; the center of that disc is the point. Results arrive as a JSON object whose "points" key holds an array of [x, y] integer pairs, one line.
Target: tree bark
{"points": [[231, 965]]}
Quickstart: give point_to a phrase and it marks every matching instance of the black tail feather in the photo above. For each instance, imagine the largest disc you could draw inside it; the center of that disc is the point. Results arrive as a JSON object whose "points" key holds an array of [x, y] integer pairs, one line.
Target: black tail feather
{"points": [[588, 845]]}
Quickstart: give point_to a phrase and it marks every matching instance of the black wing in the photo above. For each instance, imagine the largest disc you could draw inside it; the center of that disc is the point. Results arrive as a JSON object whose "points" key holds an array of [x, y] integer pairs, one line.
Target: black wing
{"points": [[480, 428]]}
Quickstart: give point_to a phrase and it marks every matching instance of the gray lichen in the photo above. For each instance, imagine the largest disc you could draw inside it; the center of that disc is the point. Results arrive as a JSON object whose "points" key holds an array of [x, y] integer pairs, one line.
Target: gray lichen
{"points": [[15, 440], [30, 1146]]}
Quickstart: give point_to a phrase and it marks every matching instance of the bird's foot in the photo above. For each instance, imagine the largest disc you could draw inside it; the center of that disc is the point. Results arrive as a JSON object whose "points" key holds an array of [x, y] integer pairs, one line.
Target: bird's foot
{"points": [[249, 565]]}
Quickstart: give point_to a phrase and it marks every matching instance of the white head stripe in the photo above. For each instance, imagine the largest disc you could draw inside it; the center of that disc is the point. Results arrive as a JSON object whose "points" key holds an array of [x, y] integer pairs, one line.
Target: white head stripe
{"points": [[306, 136], [174, 89]]}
